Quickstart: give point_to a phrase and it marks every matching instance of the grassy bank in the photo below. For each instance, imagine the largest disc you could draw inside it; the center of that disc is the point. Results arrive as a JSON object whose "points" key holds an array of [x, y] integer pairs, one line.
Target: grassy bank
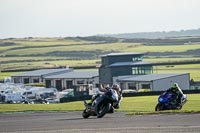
{"points": [[146, 104], [131, 105]]}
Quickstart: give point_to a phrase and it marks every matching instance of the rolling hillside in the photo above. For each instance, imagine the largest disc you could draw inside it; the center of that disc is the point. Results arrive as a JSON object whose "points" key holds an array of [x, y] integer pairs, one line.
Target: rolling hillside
{"points": [[162, 34], [44, 51], [35, 53]]}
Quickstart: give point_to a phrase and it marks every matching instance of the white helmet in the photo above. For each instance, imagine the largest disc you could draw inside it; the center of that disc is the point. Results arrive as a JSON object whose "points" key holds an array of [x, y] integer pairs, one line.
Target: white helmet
{"points": [[116, 87]]}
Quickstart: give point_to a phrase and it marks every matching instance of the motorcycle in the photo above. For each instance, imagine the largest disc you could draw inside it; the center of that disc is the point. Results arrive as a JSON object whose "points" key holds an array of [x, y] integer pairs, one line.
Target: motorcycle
{"points": [[167, 101], [102, 104]]}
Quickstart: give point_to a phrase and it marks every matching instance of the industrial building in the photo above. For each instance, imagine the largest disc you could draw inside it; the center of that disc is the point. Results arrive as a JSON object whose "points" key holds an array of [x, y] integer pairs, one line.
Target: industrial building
{"points": [[58, 78], [154, 82], [36, 76], [127, 69], [131, 72], [73, 78], [122, 64]]}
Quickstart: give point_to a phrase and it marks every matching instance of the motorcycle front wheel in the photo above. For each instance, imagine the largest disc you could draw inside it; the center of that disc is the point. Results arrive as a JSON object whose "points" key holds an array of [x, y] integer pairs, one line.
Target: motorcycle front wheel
{"points": [[158, 107], [102, 108], [85, 114], [179, 107]]}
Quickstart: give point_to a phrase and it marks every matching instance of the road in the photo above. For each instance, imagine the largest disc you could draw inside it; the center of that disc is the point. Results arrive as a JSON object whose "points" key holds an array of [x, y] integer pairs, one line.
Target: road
{"points": [[119, 122]]}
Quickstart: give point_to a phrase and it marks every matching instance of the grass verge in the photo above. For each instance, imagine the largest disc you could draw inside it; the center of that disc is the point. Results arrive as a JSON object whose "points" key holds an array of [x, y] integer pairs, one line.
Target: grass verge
{"points": [[131, 105]]}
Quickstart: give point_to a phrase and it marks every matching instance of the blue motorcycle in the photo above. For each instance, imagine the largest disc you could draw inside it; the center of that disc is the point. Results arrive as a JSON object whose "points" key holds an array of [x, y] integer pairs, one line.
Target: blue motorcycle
{"points": [[168, 101]]}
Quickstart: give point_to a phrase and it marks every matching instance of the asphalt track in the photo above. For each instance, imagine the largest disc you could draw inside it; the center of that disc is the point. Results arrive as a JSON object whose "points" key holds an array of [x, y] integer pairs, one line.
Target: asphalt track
{"points": [[72, 122]]}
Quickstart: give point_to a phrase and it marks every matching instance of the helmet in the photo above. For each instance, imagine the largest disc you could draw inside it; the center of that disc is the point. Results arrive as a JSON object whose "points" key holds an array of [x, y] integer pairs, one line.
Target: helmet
{"points": [[115, 86], [175, 87]]}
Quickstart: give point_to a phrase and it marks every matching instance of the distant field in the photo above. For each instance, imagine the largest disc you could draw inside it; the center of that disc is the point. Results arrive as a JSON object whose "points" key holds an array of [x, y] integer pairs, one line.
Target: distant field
{"points": [[35, 53], [193, 69], [31, 48], [47, 45], [168, 48], [168, 59]]}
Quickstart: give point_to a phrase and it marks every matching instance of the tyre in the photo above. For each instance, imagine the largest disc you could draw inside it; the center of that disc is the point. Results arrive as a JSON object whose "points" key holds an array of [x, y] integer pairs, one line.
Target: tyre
{"points": [[179, 107], [158, 107], [112, 110], [102, 108], [85, 114]]}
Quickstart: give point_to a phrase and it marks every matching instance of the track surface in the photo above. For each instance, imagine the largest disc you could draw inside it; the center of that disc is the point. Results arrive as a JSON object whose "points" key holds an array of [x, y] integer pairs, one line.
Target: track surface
{"points": [[118, 122]]}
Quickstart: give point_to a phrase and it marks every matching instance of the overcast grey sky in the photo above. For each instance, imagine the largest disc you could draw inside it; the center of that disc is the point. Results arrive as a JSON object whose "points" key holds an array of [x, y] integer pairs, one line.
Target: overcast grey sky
{"points": [[61, 18]]}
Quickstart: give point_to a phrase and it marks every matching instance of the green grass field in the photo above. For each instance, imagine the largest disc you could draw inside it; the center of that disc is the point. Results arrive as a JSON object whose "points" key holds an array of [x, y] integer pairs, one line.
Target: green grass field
{"points": [[168, 48], [137, 105], [193, 69], [131, 105], [29, 53]]}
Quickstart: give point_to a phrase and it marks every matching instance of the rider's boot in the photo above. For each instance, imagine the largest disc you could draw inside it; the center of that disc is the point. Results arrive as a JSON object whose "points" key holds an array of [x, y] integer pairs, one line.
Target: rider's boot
{"points": [[87, 104], [112, 110]]}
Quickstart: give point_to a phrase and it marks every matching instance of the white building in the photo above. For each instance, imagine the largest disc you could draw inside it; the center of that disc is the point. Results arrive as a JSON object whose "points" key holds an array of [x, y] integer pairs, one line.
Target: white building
{"points": [[37, 76], [73, 78], [154, 82]]}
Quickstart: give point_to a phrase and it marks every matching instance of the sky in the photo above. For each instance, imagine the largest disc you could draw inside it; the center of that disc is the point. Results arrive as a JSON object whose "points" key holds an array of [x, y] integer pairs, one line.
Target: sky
{"points": [[64, 18]]}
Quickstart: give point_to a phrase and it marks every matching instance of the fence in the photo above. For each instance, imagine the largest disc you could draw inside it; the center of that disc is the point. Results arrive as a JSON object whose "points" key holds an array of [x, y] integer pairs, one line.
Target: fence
{"points": [[87, 97]]}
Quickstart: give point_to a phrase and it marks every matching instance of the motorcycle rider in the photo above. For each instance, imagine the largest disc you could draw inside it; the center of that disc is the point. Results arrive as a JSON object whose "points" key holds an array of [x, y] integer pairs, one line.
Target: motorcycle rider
{"points": [[105, 89], [175, 89], [119, 93]]}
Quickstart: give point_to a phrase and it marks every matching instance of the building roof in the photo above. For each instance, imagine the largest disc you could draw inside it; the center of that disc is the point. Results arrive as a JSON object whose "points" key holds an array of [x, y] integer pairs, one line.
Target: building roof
{"points": [[42, 72], [149, 77], [139, 63], [74, 74], [121, 54]]}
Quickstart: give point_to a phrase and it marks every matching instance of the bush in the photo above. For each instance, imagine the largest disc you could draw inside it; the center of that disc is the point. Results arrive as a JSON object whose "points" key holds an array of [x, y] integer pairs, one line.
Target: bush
{"points": [[144, 90], [36, 84]]}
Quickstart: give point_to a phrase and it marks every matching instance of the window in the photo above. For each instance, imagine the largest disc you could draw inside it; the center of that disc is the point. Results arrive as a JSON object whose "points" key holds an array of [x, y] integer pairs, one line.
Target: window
{"points": [[48, 83], [16, 80], [145, 86], [132, 86], [29, 93], [82, 88], [59, 85], [26, 80], [69, 84], [140, 70], [134, 71], [80, 82], [35, 80]]}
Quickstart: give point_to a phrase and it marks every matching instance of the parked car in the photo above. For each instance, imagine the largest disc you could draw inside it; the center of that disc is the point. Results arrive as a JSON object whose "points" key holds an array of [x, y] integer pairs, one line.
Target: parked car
{"points": [[52, 100]]}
